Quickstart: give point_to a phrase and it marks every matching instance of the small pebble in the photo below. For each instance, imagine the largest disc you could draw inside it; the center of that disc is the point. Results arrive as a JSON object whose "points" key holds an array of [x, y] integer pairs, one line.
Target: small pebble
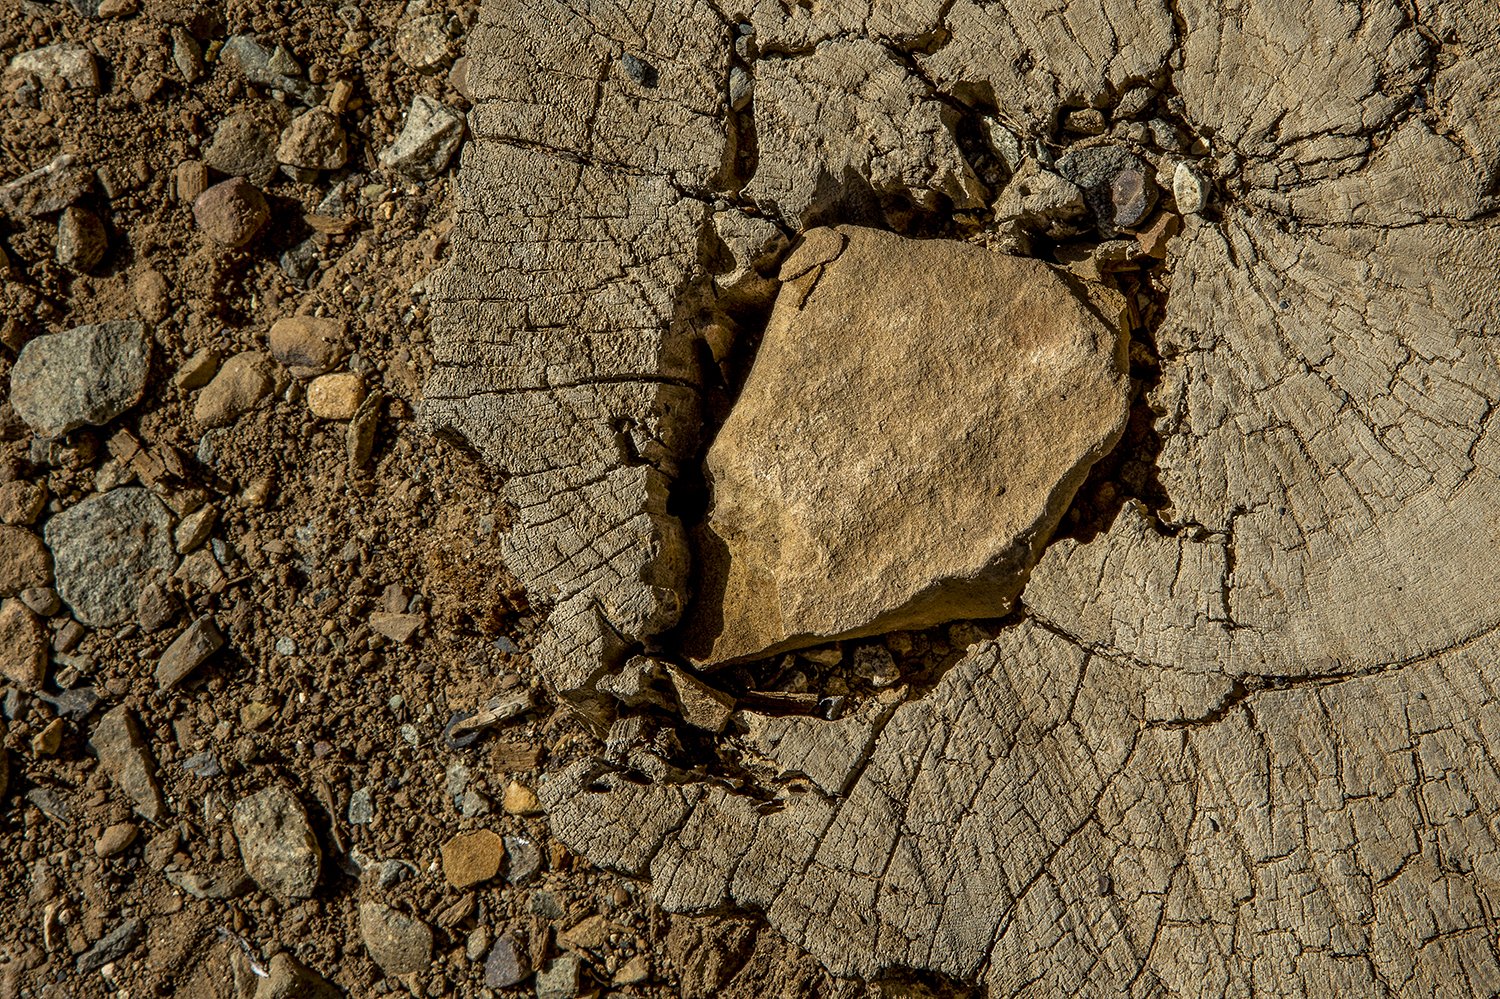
{"points": [[116, 839], [240, 385], [1190, 189], [314, 141], [336, 396], [42, 600], [21, 502], [521, 800], [308, 345], [244, 145], [81, 241], [49, 739], [192, 179], [472, 858], [231, 212], [198, 369], [423, 43]]}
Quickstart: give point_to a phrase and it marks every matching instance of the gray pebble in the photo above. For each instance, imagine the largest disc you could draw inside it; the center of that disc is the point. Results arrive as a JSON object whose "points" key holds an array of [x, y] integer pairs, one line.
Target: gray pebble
{"points": [[86, 375], [427, 142], [105, 548]]}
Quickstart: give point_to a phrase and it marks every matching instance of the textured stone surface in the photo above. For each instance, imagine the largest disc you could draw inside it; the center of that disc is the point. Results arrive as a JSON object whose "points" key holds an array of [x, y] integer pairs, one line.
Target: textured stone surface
{"points": [[470, 858], [23, 645], [277, 844], [105, 548], [901, 449], [125, 757], [400, 944], [24, 561], [85, 376]]}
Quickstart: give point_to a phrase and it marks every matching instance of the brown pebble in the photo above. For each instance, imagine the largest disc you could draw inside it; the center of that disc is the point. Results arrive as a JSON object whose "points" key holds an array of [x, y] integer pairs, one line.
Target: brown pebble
{"points": [[116, 839], [470, 858], [192, 179], [521, 800], [231, 212]]}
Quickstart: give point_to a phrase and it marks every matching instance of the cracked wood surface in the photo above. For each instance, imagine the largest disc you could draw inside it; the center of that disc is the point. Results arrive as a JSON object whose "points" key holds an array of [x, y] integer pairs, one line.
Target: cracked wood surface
{"points": [[1235, 746]]}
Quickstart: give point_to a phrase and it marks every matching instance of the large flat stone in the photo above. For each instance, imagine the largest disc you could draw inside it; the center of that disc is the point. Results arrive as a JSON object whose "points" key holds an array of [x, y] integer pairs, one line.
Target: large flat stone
{"points": [[918, 417]]}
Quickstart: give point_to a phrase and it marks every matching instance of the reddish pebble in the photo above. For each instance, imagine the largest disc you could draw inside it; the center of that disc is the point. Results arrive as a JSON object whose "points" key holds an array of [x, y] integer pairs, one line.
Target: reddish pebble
{"points": [[231, 212]]}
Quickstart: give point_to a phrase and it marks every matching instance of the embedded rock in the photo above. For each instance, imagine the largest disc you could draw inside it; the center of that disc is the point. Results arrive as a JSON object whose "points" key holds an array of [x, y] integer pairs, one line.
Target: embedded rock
{"points": [[87, 375], [127, 759], [901, 449], [105, 549], [277, 844]]}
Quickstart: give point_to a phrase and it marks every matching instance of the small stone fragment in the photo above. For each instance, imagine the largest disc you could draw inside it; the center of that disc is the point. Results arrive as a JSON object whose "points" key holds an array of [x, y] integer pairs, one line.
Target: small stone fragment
{"points": [[428, 141], [277, 844], [359, 436], [64, 66], [1189, 189], [116, 839], [194, 529], [521, 800], [1086, 121], [399, 943], [105, 549], [1154, 238], [153, 298], [523, 859], [244, 381], [49, 739], [49, 189], [198, 369], [590, 933], [561, 978], [187, 55], [396, 627], [21, 502], [423, 44], [187, 652], [24, 562], [288, 978], [875, 664], [336, 396], [244, 145], [1095, 169], [702, 706], [204, 764], [112, 946], [269, 68], [361, 810], [1133, 197], [85, 375], [472, 858], [313, 141], [211, 884], [43, 600], [127, 760], [635, 971], [81, 241], [155, 608], [308, 345], [191, 179], [231, 212], [117, 8], [507, 963]]}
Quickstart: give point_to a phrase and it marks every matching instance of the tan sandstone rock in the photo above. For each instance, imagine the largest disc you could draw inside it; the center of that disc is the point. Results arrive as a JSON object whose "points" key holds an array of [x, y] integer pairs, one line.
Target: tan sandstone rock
{"points": [[901, 448]]}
